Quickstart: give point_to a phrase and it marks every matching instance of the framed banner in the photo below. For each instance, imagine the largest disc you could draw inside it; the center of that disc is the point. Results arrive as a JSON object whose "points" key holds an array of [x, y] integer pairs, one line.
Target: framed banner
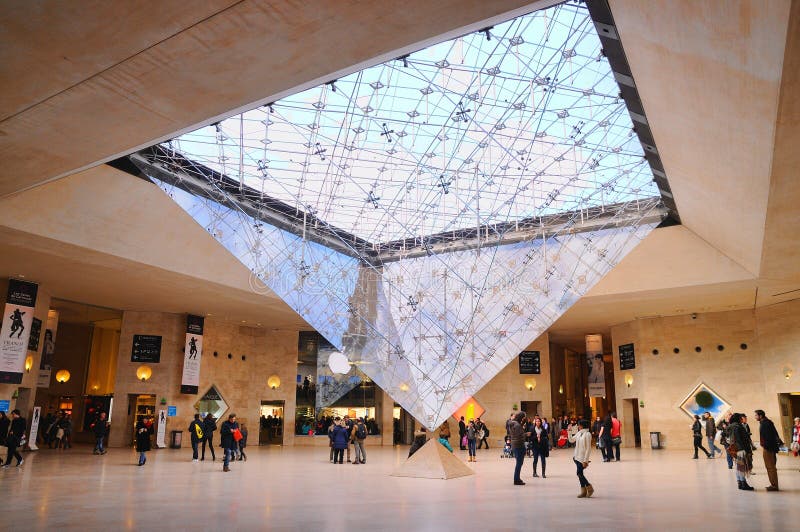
{"points": [[597, 368], [16, 329], [192, 353], [530, 363], [146, 348]]}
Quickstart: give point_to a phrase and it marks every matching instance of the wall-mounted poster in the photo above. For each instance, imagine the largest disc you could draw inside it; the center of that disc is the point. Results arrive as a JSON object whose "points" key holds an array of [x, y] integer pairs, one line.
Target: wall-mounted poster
{"points": [[530, 363], [36, 334], [627, 357], [16, 329], [48, 350], [597, 368], [146, 348], [703, 399]]}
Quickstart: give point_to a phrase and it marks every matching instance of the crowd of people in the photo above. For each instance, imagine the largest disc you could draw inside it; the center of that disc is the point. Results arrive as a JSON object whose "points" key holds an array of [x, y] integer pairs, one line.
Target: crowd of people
{"points": [[344, 433], [233, 439]]}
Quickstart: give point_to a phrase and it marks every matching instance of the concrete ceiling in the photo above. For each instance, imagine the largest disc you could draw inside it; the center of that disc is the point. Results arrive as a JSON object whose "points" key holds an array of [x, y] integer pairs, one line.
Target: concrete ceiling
{"points": [[719, 82]]}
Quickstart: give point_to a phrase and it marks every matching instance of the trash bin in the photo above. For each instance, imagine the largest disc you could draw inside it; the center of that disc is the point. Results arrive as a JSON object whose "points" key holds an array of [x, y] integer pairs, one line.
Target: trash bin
{"points": [[655, 440], [175, 439]]}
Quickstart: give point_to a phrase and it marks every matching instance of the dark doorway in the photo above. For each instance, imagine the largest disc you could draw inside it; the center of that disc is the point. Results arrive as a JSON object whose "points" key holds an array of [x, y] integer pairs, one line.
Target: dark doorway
{"points": [[270, 423], [531, 408], [632, 428]]}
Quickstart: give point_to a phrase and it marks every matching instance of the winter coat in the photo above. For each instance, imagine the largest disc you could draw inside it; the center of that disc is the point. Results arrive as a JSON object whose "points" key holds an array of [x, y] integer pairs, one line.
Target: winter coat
{"points": [[339, 437], [143, 433], [740, 438], [100, 428], [583, 445], [770, 440], [209, 426], [193, 431], [226, 435], [697, 429], [243, 441], [540, 442], [16, 432], [711, 428], [4, 424], [516, 435]]}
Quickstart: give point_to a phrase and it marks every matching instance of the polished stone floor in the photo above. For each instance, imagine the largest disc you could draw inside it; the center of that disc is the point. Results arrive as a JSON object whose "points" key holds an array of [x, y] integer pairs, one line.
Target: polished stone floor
{"points": [[299, 489]]}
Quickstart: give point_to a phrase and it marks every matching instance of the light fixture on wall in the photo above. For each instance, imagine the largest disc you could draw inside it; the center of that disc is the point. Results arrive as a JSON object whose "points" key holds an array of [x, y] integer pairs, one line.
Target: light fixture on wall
{"points": [[561, 388], [788, 372], [628, 379], [530, 384], [274, 382], [144, 372], [62, 376], [28, 364]]}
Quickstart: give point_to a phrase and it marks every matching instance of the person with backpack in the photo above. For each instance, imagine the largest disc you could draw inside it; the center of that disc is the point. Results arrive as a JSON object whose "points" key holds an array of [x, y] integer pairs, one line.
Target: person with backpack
{"points": [[358, 435], [196, 433]]}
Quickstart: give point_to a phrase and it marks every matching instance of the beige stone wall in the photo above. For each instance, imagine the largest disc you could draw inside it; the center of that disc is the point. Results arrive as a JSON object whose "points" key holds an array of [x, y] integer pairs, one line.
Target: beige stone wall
{"points": [[242, 383], [507, 388], [747, 378]]}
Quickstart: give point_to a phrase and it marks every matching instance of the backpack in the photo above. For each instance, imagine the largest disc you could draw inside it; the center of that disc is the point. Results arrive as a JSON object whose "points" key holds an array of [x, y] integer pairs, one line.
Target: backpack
{"points": [[198, 430], [361, 431]]}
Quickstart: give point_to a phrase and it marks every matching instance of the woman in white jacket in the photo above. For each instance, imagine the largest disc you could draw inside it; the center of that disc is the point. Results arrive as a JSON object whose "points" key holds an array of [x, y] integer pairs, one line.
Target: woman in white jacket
{"points": [[583, 449]]}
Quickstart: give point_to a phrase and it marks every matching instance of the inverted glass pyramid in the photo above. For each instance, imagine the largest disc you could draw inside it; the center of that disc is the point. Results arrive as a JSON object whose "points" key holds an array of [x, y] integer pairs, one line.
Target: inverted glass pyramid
{"points": [[432, 215]]}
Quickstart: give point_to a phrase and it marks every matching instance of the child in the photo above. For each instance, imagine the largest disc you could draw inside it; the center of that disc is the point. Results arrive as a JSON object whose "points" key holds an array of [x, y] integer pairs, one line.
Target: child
{"points": [[243, 442]]}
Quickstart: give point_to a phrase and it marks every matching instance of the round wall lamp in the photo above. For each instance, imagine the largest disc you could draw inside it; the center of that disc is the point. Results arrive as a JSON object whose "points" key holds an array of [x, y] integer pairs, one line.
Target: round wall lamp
{"points": [[62, 376], [561, 388], [144, 372], [28, 364], [274, 382], [788, 372], [530, 384], [628, 379]]}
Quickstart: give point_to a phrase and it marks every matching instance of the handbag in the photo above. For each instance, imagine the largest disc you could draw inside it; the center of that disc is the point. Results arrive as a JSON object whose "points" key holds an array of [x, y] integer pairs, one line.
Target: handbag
{"points": [[732, 449], [464, 441], [616, 440], [237, 434]]}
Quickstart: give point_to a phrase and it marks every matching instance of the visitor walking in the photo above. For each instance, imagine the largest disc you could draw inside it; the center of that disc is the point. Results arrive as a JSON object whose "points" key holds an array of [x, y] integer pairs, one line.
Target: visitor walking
{"points": [[605, 439], [228, 441], [209, 427], [483, 433], [517, 435], [143, 432], [770, 445], [711, 432], [462, 432], [616, 435], [697, 436], [16, 433], [243, 443], [196, 435], [66, 434], [583, 450], [741, 445], [540, 445]]}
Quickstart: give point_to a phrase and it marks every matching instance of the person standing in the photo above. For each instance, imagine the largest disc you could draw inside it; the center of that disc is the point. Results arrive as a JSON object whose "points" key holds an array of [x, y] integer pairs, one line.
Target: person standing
{"points": [[243, 443], [339, 437], [100, 430], [711, 432], [143, 432], [605, 439], [739, 439], [359, 435], [724, 437], [697, 436], [583, 450], [196, 434], [596, 426], [462, 431], [16, 432], [228, 441], [5, 423], [348, 426], [770, 445], [472, 435], [517, 435], [483, 433], [540, 445], [209, 427], [616, 435], [66, 438], [795, 446]]}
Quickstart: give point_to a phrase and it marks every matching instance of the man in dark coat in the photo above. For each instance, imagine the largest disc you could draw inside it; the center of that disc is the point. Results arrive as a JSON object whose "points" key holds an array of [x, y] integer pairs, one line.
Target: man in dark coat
{"points": [[228, 441], [15, 434], [209, 426], [196, 433], [100, 430], [462, 431], [770, 445], [144, 428]]}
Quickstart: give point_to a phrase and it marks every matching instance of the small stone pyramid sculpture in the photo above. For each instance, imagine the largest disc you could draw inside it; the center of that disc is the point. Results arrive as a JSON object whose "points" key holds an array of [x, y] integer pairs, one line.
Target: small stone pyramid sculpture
{"points": [[432, 460]]}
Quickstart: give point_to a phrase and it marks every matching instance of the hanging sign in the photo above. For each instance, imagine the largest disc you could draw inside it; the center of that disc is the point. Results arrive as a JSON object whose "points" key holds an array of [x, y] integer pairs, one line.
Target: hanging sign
{"points": [[193, 350], [597, 368], [36, 333], [48, 350], [162, 429], [16, 329], [529, 363], [37, 410]]}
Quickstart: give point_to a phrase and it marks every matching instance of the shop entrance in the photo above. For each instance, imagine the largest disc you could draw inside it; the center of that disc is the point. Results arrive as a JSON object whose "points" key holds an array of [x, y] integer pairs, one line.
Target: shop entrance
{"points": [[141, 408], [270, 431], [790, 409], [631, 430]]}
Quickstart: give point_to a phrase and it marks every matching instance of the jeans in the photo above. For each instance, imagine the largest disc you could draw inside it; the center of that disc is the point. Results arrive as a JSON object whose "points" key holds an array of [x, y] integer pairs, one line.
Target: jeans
{"points": [[581, 478], [142, 459], [194, 449], [99, 444], [616, 450], [536, 455], [227, 460], [361, 454], [209, 441], [713, 448], [519, 454], [730, 459], [471, 447]]}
